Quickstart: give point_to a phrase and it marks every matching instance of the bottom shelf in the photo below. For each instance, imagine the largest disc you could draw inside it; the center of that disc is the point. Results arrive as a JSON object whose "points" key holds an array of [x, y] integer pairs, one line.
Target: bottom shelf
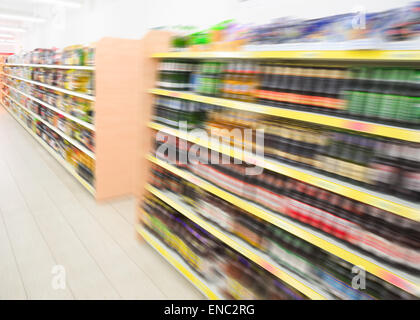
{"points": [[66, 165], [199, 282]]}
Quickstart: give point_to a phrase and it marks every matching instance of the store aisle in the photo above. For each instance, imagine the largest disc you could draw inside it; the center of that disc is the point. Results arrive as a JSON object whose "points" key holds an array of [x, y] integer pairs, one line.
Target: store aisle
{"points": [[47, 219]]}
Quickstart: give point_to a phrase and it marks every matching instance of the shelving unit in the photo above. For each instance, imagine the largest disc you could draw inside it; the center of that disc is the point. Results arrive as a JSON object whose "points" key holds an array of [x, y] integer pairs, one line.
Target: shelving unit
{"points": [[116, 107], [326, 243], [208, 290], [385, 202], [56, 130], [65, 114], [241, 247], [403, 208], [66, 165]]}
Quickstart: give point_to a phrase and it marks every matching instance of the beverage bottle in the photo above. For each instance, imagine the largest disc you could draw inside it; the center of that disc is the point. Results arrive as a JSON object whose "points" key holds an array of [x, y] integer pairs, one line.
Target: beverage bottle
{"points": [[265, 79], [410, 165], [325, 159], [174, 80], [310, 81], [391, 96], [321, 80], [273, 71], [252, 87], [373, 96], [296, 85], [361, 158], [284, 84], [415, 114], [355, 91], [305, 89], [405, 114], [278, 78], [344, 155], [331, 90], [383, 170]]}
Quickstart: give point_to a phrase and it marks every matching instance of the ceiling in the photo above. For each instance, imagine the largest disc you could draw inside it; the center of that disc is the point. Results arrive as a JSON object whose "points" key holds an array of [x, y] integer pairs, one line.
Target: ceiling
{"points": [[18, 16]]}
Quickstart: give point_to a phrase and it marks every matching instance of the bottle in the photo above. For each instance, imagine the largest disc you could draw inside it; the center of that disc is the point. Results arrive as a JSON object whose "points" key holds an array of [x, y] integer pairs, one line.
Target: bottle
{"points": [[284, 84], [390, 99], [410, 182], [296, 84], [355, 91], [415, 114], [373, 96], [405, 110], [383, 171]]}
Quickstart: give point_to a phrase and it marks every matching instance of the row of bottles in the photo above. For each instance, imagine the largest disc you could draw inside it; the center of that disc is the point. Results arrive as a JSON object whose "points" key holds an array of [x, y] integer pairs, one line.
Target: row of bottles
{"points": [[380, 233], [386, 165], [234, 276], [320, 268], [387, 95]]}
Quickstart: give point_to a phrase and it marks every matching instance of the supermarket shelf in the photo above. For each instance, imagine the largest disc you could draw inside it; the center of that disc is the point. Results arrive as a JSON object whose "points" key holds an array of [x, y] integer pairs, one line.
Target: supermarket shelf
{"points": [[65, 114], [332, 121], [350, 55], [56, 130], [389, 203], [241, 247], [73, 93], [66, 165], [50, 66], [387, 273], [199, 282]]}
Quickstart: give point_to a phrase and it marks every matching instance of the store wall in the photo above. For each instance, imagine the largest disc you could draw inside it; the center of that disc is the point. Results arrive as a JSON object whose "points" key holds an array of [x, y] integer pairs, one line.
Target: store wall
{"points": [[132, 18]]}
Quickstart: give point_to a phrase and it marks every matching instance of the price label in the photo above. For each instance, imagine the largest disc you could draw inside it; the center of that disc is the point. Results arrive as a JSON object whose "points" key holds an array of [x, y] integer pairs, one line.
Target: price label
{"points": [[175, 94], [269, 267], [359, 126]]}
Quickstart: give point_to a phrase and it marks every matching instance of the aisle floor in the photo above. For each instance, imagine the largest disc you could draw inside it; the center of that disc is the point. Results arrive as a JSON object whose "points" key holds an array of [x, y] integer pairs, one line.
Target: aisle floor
{"points": [[47, 219]]}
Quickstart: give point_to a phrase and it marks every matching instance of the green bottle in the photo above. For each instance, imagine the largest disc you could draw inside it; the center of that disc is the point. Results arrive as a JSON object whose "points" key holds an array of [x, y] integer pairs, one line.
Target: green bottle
{"points": [[404, 112], [373, 95], [358, 95], [414, 104], [391, 97]]}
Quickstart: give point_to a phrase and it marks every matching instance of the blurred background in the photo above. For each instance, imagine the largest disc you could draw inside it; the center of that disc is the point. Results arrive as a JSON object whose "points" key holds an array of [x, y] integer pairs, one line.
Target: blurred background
{"points": [[334, 86]]}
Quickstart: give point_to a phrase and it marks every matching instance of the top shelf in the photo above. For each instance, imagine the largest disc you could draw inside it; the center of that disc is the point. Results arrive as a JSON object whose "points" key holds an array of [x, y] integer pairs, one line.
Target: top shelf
{"points": [[51, 66], [352, 55]]}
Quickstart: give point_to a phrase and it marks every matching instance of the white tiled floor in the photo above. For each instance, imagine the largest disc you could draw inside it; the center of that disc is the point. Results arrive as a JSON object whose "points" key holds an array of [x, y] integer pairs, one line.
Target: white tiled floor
{"points": [[47, 218]]}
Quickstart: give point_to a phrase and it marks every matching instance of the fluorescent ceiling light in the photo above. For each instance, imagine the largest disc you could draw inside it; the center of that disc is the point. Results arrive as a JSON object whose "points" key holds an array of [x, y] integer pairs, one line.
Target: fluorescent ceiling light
{"points": [[69, 4], [5, 35], [13, 29], [19, 17], [7, 41]]}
